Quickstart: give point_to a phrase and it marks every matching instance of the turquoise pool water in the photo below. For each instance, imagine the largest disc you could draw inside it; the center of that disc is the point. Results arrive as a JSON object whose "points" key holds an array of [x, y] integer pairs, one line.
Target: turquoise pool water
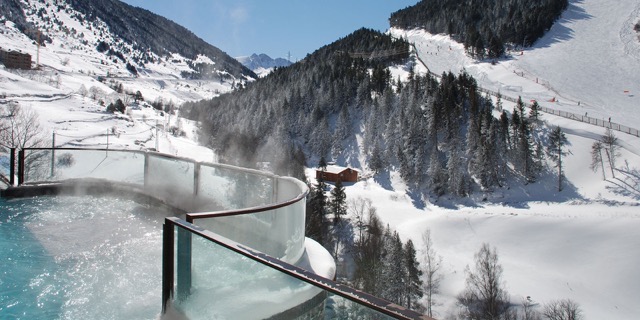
{"points": [[80, 258]]}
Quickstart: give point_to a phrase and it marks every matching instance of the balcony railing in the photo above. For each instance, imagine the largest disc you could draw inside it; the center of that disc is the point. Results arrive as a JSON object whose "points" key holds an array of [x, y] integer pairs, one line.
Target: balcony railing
{"points": [[235, 255]]}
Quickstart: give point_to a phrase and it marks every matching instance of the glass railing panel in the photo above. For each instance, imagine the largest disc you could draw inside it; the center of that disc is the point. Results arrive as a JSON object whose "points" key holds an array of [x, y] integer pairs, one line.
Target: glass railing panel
{"points": [[61, 164], [278, 233], [171, 179], [235, 188], [224, 284], [5, 164]]}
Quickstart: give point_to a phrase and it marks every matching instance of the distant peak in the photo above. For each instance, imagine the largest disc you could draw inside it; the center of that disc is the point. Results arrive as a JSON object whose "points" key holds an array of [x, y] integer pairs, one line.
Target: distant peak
{"points": [[261, 62]]}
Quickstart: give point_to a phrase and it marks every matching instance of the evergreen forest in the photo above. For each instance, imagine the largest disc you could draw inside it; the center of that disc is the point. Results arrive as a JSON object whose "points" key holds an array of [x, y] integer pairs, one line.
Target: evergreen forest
{"points": [[485, 27], [442, 135]]}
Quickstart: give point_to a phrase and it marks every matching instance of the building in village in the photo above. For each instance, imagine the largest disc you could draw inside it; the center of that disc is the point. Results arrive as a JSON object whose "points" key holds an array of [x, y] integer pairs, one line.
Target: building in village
{"points": [[15, 59], [334, 173]]}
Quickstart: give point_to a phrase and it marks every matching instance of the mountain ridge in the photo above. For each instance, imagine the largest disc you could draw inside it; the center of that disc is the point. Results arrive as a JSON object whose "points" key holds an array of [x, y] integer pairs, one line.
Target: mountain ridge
{"points": [[133, 34], [262, 64]]}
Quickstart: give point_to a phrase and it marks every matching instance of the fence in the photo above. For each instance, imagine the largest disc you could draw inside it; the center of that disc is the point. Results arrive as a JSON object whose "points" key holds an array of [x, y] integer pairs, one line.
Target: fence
{"points": [[572, 116], [564, 114]]}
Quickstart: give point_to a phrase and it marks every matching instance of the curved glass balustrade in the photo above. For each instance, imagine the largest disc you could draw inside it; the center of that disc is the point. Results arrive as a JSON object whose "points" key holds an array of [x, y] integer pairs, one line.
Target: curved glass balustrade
{"points": [[234, 257], [205, 190]]}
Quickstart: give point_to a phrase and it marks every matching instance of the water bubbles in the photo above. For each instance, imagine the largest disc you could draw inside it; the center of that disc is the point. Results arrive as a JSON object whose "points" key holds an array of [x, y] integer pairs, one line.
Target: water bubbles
{"points": [[81, 258]]}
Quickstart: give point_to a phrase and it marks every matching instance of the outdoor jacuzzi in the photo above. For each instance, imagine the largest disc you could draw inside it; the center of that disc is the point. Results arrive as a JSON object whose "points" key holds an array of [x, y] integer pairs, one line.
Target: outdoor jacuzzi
{"points": [[71, 257], [121, 234]]}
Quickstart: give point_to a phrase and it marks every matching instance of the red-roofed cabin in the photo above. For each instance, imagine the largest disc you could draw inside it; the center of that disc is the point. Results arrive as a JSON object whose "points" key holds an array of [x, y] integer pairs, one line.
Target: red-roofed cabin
{"points": [[335, 173]]}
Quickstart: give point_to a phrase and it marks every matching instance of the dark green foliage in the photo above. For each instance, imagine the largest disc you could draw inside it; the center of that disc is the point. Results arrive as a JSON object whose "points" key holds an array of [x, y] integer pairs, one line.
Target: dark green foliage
{"points": [[116, 106], [316, 228], [368, 256], [413, 282], [14, 10], [298, 105], [555, 150], [132, 69], [440, 135], [338, 203], [157, 104], [322, 164], [523, 151], [386, 267], [102, 46], [534, 113], [483, 24], [138, 96]]}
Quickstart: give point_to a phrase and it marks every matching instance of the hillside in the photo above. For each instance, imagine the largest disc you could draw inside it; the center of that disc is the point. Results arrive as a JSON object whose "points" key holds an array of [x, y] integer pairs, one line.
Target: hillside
{"points": [[121, 35], [306, 98], [484, 27], [577, 245]]}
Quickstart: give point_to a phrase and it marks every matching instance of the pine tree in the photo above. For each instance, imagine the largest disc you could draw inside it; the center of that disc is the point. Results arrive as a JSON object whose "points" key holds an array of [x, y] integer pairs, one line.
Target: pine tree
{"points": [[496, 47], [377, 161], [534, 113], [340, 233], [525, 152], [316, 226], [338, 203], [437, 174], [474, 145], [368, 256], [555, 151], [523, 143], [504, 132], [322, 164], [413, 282], [342, 131], [458, 183], [394, 273], [515, 124]]}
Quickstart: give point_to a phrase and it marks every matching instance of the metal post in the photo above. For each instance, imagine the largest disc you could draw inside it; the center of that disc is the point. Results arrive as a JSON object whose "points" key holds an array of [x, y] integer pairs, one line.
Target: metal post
{"points": [[167, 262], [196, 179], [157, 145], [274, 185], [12, 167], [53, 153], [184, 264], [146, 171], [20, 167]]}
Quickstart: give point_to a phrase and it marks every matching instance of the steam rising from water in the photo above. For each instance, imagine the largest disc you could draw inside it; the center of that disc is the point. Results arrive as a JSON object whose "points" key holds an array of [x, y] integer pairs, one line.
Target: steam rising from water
{"points": [[80, 258]]}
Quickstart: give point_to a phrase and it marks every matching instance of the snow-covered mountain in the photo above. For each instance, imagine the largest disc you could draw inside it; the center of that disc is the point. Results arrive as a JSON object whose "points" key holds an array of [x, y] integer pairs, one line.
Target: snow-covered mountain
{"points": [[262, 64], [581, 243], [117, 38]]}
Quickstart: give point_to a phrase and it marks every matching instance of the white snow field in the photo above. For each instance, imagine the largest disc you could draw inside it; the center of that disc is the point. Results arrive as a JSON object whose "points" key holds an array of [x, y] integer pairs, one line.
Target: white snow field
{"points": [[582, 243]]}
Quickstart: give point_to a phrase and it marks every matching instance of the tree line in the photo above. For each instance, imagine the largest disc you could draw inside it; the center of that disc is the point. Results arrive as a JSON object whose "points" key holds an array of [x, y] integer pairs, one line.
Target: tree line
{"points": [[443, 137], [410, 275], [382, 264], [484, 27]]}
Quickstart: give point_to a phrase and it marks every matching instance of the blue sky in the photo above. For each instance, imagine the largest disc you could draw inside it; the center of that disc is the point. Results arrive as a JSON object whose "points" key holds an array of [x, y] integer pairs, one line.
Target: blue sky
{"points": [[274, 27]]}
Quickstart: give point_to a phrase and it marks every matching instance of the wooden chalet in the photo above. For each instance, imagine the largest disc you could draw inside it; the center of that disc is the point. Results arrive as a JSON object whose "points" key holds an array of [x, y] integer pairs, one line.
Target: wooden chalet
{"points": [[334, 173]]}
